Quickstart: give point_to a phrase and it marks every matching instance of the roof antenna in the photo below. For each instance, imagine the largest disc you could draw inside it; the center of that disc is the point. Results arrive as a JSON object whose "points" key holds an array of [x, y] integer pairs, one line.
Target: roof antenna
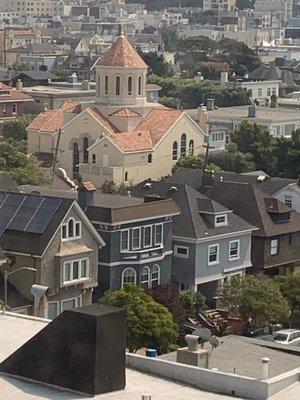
{"points": [[121, 26]]}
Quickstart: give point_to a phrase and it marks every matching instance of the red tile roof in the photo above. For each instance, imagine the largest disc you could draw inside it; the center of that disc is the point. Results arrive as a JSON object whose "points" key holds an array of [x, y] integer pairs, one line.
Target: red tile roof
{"points": [[125, 112], [87, 187], [102, 119], [4, 86], [158, 122], [23, 32], [121, 54], [52, 121], [132, 141], [13, 95]]}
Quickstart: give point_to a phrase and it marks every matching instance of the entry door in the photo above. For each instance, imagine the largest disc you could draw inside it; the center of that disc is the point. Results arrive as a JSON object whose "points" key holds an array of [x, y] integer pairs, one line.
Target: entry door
{"points": [[105, 160]]}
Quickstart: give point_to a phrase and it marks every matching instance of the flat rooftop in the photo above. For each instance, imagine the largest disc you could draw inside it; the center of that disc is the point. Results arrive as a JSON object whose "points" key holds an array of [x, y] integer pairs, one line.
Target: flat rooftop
{"points": [[57, 90], [264, 114], [241, 355], [15, 331]]}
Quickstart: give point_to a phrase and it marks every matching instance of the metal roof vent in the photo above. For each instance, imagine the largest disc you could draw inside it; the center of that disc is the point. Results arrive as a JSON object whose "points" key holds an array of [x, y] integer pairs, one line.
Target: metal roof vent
{"points": [[148, 185], [261, 178], [173, 189]]}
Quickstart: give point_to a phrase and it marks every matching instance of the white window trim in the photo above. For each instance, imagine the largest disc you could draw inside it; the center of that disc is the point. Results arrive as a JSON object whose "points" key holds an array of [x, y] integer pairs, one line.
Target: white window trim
{"points": [[218, 224], [57, 302], [149, 276], [65, 300], [140, 238], [181, 255], [123, 273], [74, 281], [121, 241], [162, 235], [233, 258], [151, 233], [153, 280], [66, 224], [273, 247], [218, 254]]}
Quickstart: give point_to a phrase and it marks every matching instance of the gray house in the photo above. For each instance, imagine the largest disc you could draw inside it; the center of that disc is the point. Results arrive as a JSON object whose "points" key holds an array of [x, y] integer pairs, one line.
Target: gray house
{"points": [[138, 237], [210, 242], [48, 242]]}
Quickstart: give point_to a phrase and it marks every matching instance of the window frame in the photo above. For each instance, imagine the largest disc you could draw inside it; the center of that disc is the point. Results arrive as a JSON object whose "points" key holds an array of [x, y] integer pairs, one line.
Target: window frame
{"points": [[274, 247], [162, 234], [151, 236], [65, 226], [118, 85], [224, 223], [57, 302], [217, 261], [122, 277], [65, 300], [175, 151], [158, 273], [132, 238], [149, 276], [287, 202], [80, 278], [128, 240], [183, 144], [177, 246], [234, 258]]}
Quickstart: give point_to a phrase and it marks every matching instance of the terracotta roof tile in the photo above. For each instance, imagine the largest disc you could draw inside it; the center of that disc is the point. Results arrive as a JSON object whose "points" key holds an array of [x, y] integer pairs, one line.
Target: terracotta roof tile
{"points": [[158, 122], [125, 112], [132, 141], [52, 121], [102, 119], [14, 95], [87, 187], [121, 54]]}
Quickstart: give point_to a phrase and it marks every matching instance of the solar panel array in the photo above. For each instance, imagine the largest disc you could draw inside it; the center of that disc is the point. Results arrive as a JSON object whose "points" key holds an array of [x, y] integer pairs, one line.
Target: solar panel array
{"points": [[26, 213]]}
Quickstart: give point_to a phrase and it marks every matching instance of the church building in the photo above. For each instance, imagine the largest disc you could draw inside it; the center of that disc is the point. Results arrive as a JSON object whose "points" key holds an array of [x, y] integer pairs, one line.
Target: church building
{"points": [[126, 136]]}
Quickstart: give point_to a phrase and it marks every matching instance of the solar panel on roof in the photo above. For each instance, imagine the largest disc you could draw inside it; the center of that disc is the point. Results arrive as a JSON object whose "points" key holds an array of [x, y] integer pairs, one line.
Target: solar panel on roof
{"points": [[8, 208], [25, 213], [43, 215]]}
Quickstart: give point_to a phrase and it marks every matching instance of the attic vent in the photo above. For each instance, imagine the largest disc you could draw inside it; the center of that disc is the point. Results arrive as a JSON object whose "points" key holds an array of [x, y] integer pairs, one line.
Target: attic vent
{"points": [[173, 189], [148, 185], [261, 178]]}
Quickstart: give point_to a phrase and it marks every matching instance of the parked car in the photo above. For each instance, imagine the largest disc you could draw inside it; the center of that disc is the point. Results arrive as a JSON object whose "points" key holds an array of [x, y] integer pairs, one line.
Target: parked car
{"points": [[287, 336], [255, 331]]}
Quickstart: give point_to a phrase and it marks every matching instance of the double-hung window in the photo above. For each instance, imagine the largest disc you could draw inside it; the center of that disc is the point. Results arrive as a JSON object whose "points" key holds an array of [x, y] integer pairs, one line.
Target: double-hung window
{"points": [[158, 234], [75, 271], [213, 254], [125, 240], [148, 236], [274, 247], [288, 200], [234, 250], [136, 238]]}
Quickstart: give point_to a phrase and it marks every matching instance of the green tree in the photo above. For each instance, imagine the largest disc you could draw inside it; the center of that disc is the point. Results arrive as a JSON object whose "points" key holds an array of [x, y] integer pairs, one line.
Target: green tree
{"points": [[287, 153], [193, 302], [156, 64], [253, 299], [194, 162], [16, 129], [289, 286], [169, 37], [233, 160], [149, 324]]}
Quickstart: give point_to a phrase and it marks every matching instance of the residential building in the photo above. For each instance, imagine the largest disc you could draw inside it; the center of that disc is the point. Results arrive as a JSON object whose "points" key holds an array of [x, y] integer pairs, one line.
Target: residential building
{"points": [[12, 102], [290, 195], [219, 5], [49, 242], [275, 246], [282, 7], [261, 91], [122, 137], [210, 242], [138, 233], [279, 122]]}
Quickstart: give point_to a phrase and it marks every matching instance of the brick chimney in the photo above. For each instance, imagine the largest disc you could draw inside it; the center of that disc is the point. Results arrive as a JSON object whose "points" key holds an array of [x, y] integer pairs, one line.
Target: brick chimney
{"points": [[86, 194], [203, 118]]}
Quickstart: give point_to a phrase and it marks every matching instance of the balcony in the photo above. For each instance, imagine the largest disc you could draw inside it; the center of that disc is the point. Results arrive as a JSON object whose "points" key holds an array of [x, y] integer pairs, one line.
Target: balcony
{"points": [[142, 254]]}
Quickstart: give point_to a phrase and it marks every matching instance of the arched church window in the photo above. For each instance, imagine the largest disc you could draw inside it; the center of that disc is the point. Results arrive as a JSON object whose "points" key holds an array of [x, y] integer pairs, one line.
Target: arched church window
{"points": [[140, 86], [85, 150], [75, 158], [130, 85], [183, 145], [118, 85], [175, 151], [106, 84]]}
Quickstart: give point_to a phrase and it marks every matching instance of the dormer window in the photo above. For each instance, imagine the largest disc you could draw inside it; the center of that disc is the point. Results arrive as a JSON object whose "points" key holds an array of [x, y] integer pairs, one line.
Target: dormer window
{"points": [[221, 220], [71, 230]]}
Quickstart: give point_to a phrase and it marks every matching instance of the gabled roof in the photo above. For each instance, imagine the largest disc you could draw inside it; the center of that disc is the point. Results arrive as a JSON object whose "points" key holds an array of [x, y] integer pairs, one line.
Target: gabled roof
{"points": [[36, 75], [191, 223], [121, 54], [52, 121], [132, 141], [125, 112], [158, 122], [7, 94], [253, 205], [102, 119]]}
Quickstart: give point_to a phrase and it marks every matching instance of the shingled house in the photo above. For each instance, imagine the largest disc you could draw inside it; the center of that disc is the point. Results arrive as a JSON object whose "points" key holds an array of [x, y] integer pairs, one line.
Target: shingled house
{"points": [[56, 247]]}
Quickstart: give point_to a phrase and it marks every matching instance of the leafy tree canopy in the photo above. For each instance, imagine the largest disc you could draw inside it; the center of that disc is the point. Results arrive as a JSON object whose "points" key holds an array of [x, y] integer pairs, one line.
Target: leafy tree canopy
{"points": [[149, 324], [16, 129], [289, 286], [156, 64], [253, 299], [194, 162]]}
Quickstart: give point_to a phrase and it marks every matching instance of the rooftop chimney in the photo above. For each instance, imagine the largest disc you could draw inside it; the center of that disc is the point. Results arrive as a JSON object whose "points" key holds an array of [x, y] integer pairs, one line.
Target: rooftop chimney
{"points": [[203, 118], [224, 77], [73, 78], [210, 104], [85, 85], [86, 194], [19, 84]]}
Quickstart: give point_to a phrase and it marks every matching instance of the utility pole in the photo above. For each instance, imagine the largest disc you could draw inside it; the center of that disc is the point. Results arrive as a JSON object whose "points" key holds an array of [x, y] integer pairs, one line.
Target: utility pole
{"points": [[56, 150]]}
